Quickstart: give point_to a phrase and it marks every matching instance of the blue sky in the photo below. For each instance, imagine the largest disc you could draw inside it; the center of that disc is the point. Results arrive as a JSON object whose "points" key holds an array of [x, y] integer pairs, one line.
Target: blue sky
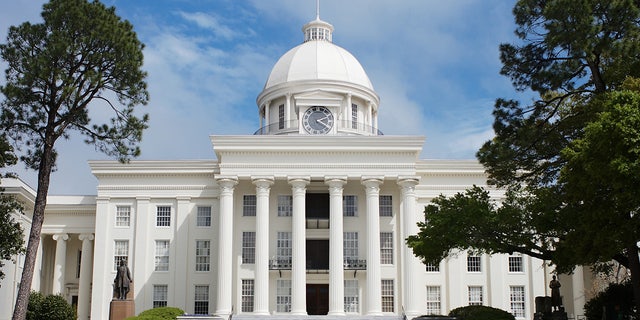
{"points": [[434, 64]]}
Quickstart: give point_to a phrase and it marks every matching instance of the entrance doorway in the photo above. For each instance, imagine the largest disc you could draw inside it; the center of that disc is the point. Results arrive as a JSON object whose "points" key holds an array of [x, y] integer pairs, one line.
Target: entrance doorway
{"points": [[317, 299]]}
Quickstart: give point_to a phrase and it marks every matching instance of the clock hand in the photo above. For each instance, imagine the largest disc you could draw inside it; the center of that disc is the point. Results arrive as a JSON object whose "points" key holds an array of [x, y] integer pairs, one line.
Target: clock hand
{"points": [[322, 123]]}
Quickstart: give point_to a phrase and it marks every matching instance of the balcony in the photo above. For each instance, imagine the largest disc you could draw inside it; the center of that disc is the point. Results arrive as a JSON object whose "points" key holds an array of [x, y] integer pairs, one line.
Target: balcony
{"points": [[349, 264], [342, 126], [317, 223]]}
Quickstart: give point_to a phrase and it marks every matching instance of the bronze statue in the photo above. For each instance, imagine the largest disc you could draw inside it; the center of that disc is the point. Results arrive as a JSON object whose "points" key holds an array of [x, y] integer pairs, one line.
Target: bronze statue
{"points": [[556, 300], [122, 281]]}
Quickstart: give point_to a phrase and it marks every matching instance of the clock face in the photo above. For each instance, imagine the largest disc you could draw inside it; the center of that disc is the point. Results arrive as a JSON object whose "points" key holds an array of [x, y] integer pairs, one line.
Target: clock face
{"points": [[317, 120]]}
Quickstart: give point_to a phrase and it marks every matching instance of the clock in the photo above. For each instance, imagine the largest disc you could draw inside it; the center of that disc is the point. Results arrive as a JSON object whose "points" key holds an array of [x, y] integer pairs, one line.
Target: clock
{"points": [[317, 120]]}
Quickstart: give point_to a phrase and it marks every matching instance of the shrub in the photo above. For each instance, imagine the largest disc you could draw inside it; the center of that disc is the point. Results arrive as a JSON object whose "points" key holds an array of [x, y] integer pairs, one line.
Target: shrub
{"points": [[617, 296], [51, 307], [480, 313], [164, 313]]}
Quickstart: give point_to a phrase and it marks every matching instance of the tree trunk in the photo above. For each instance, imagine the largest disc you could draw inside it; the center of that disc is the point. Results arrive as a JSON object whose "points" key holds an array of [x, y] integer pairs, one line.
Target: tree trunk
{"points": [[44, 174], [634, 266]]}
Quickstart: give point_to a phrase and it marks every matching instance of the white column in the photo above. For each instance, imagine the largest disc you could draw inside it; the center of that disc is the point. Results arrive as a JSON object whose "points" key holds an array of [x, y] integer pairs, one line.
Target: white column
{"points": [[287, 111], [261, 294], [102, 283], [373, 295], [61, 257], [141, 259], [346, 113], [267, 121], [181, 246], [577, 284], [336, 254], [225, 245], [84, 287], [298, 247], [412, 265]]}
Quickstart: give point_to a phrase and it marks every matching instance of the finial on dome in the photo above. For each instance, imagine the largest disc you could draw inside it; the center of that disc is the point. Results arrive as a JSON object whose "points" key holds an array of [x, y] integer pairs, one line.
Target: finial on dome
{"points": [[318, 29]]}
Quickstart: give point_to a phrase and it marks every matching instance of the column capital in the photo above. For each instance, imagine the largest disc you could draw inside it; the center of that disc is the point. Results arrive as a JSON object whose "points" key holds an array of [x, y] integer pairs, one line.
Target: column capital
{"points": [[335, 179], [408, 183], [61, 236], [86, 236], [299, 181], [262, 181], [372, 184], [372, 180]]}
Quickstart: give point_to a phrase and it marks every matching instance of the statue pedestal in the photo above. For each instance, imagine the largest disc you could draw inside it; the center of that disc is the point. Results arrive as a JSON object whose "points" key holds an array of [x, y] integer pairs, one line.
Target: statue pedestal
{"points": [[122, 309]]}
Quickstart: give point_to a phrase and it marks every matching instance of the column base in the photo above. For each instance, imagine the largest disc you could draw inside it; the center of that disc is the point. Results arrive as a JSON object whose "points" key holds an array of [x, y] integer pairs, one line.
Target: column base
{"points": [[122, 309]]}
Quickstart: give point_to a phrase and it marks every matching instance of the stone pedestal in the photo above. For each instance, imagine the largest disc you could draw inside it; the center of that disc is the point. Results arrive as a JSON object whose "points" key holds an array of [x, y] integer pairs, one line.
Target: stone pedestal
{"points": [[122, 309]]}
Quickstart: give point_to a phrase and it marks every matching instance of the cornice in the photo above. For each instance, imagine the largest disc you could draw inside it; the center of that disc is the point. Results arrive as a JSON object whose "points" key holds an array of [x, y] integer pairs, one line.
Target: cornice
{"points": [[153, 168]]}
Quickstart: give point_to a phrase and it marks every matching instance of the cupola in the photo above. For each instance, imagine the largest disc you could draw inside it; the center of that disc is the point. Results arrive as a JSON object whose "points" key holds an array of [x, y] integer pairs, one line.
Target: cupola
{"points": [[318, 87]]}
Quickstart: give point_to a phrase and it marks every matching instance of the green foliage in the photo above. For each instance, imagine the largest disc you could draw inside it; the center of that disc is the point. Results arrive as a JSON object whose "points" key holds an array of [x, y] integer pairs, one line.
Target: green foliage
{"points": [[81, 57], [51, 307], [569, 160], [11, 236], [480, 313], [617, 298], [164, 313]]}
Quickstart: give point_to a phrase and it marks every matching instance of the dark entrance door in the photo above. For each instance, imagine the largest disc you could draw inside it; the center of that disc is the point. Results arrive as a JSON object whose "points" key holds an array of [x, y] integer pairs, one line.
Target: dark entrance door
{"points": [[317, 299]]}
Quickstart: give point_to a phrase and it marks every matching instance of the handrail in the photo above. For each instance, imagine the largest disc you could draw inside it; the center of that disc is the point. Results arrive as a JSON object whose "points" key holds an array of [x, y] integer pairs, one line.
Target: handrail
{"points": [[291, 126]]}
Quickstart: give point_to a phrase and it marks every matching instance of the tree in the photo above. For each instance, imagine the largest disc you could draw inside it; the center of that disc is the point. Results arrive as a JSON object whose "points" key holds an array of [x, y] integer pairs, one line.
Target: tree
{"points": [[11, 237], [81, 57], [572, 54]]}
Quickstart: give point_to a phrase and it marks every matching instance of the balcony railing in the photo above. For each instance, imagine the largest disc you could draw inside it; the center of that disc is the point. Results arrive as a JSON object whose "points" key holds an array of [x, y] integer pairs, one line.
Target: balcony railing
{"points": [[317, 223], [349, 264], [354, 264], [343, 126]]}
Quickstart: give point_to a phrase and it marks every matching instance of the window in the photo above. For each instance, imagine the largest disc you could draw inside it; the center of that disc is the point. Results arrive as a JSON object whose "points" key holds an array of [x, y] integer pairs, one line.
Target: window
{"points": [[474, 264], [281, 116], [432, 267], [162, 255], [475, 295], [203, 255], [163, 216], [354, 116], [386, 247], [285, 205], [204, 217], [350, 205], [248, 247], [247, 295], [120, 252], [249, 205], [516, 296], [123, 216], [387, 296], [515, 263], [201, 300], [283, 248], [386, 206], [433, 300], [350, 246], [160, 293], [351, 296], [283, 295]]}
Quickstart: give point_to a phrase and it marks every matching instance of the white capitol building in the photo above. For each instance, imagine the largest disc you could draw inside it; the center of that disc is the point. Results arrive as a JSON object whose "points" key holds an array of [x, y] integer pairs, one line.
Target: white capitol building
{"points": [[307, 216]]}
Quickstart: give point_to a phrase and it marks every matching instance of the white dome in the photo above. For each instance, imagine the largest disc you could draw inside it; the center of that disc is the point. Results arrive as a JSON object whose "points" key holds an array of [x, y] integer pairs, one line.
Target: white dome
{"points": [[318, 60]]}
